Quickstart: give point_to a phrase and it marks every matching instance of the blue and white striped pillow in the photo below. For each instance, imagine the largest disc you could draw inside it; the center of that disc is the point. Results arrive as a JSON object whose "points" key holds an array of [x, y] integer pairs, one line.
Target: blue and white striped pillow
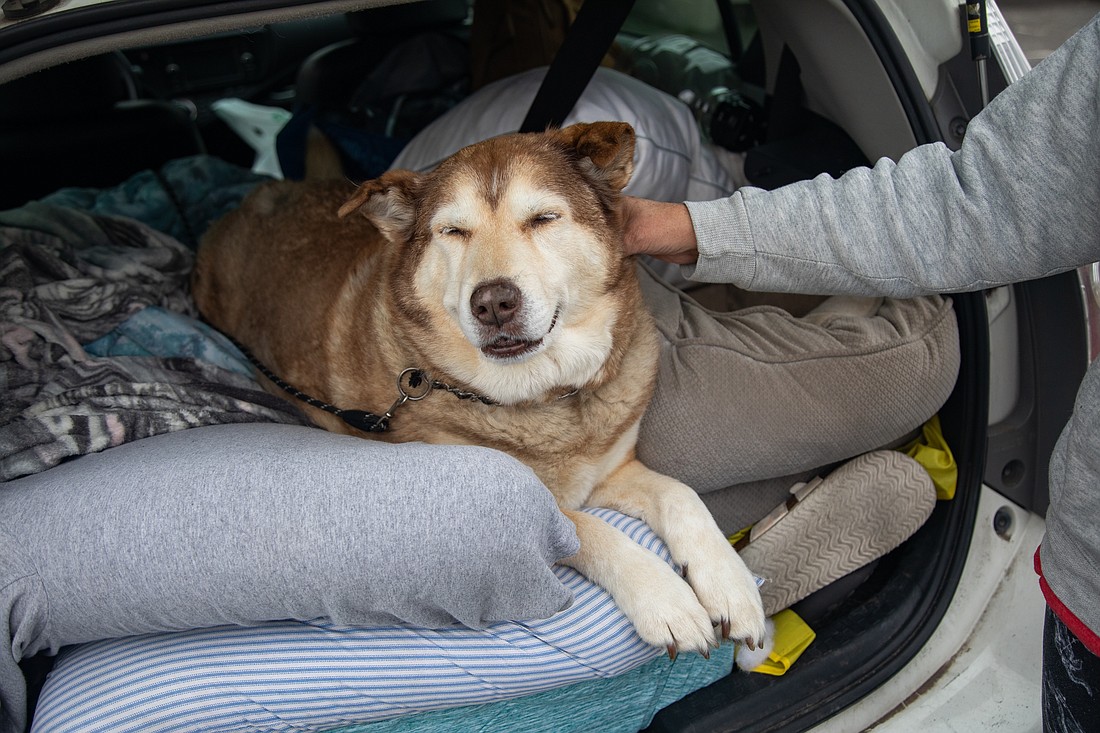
{"points": [[319, 675]]}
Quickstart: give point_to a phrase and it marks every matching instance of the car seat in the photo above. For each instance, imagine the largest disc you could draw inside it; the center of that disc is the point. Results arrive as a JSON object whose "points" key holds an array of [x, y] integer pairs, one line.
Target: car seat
{"points": [[81, 124], [329, 78]]}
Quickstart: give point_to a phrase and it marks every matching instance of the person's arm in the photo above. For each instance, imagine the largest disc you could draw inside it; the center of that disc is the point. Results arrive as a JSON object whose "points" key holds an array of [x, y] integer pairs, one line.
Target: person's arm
{"points": [[660, 229], [1019, 200]]}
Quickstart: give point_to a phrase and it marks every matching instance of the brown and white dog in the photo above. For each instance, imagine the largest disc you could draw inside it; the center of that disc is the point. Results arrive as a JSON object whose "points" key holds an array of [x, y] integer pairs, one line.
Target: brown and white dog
{"points": [[500, 274]]}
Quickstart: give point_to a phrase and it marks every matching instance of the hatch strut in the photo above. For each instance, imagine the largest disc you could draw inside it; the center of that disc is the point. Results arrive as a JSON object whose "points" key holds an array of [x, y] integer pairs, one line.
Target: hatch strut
{"points": [[978, 30]]}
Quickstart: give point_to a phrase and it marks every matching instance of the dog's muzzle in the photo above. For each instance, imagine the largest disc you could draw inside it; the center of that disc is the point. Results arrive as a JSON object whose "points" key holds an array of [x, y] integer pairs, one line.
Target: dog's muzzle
{"points": [[497, 307]]}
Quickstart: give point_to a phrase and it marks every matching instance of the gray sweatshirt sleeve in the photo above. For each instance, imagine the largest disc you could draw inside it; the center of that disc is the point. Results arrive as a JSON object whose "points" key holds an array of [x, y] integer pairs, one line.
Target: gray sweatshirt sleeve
{"points": [[1019, 200]]}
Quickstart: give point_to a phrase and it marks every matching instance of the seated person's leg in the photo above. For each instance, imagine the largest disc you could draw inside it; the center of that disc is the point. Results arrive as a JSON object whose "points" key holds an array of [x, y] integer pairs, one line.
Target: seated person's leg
{"points": [[759, 393], [749, 397]]}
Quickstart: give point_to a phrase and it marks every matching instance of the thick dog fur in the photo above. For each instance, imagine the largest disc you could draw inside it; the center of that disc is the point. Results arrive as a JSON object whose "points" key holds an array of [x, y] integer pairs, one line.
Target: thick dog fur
{"points": [[499, 273]]}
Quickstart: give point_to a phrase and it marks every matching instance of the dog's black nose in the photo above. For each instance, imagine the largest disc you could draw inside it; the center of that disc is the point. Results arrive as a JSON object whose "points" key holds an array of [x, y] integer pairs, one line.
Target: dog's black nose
{"points": [[495, 303]]}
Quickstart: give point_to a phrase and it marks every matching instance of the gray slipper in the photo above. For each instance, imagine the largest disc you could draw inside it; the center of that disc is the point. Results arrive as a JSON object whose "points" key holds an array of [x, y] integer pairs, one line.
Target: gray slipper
{"points": [[832, 526]]}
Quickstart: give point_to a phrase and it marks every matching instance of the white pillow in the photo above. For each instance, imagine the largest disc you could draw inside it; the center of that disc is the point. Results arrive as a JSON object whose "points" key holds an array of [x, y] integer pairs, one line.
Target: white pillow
{"points": [[671, 162]]}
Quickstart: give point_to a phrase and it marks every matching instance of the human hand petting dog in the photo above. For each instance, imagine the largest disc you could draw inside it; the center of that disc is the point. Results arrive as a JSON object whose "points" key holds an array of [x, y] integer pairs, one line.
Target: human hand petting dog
{"points": [[663, 230]]}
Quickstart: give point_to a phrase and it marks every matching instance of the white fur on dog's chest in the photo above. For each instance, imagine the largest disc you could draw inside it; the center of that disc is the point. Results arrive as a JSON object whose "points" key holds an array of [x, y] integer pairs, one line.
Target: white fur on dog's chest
{"points": [[552, 440], [574, 493]]}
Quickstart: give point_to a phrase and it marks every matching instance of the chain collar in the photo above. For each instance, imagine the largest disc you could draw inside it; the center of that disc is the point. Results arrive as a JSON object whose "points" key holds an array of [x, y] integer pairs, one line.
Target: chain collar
{"points": [[413, 385]]}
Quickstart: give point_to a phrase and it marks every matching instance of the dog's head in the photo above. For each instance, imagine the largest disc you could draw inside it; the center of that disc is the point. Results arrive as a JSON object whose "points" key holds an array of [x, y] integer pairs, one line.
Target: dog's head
{"points": [[506, 259]]}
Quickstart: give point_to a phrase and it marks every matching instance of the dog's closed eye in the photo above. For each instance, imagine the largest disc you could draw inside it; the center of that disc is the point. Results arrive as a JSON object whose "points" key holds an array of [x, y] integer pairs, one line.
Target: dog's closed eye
{"points": [[449, 231], [544, 218]]}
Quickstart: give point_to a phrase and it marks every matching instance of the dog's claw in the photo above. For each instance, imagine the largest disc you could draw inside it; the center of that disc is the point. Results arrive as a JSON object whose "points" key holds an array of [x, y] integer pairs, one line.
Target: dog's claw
{"points": [[751, 643], [705, 653], [684, 571], [671, 652], [725, 628]]}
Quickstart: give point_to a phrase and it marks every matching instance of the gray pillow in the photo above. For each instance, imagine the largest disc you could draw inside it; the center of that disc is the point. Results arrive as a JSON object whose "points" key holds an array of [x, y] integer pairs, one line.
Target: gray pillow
{"points": [[237, 524]]}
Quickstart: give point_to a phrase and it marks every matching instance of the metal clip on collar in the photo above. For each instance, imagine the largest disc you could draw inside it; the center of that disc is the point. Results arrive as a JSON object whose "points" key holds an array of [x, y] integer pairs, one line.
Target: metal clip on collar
{"points": [[412, 386]]}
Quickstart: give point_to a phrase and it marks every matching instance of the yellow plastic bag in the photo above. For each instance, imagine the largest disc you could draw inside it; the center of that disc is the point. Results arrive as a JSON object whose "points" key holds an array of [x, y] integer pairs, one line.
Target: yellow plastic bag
{"points": [[931, 451], [791, 637]]}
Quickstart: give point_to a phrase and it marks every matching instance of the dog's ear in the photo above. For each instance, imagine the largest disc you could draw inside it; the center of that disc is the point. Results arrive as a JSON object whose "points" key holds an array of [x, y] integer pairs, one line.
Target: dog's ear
{"points": [[387, 201], [610, 147]]}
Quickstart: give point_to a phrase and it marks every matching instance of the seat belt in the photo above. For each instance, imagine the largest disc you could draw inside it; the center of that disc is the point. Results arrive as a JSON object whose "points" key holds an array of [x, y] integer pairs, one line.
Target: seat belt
{"points": [[584, 46]]}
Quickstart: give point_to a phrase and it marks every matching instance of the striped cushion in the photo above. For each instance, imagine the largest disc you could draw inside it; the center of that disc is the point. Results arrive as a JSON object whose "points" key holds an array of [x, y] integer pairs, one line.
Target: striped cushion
{"points": [[319, 675]]}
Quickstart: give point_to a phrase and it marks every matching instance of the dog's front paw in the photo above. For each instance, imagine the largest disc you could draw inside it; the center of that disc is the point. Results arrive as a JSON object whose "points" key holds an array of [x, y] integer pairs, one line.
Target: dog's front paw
{"points": [[727, 590], [666, 613]]}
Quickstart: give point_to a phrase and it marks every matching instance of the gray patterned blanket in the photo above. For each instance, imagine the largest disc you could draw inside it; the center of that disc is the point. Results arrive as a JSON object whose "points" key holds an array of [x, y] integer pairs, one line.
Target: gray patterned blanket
{"points": [[99, 341]]}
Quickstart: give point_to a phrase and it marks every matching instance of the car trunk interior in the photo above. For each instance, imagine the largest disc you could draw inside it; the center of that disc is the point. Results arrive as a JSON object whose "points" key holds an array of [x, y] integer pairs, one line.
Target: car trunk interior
{"points": [[869, 624]]}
